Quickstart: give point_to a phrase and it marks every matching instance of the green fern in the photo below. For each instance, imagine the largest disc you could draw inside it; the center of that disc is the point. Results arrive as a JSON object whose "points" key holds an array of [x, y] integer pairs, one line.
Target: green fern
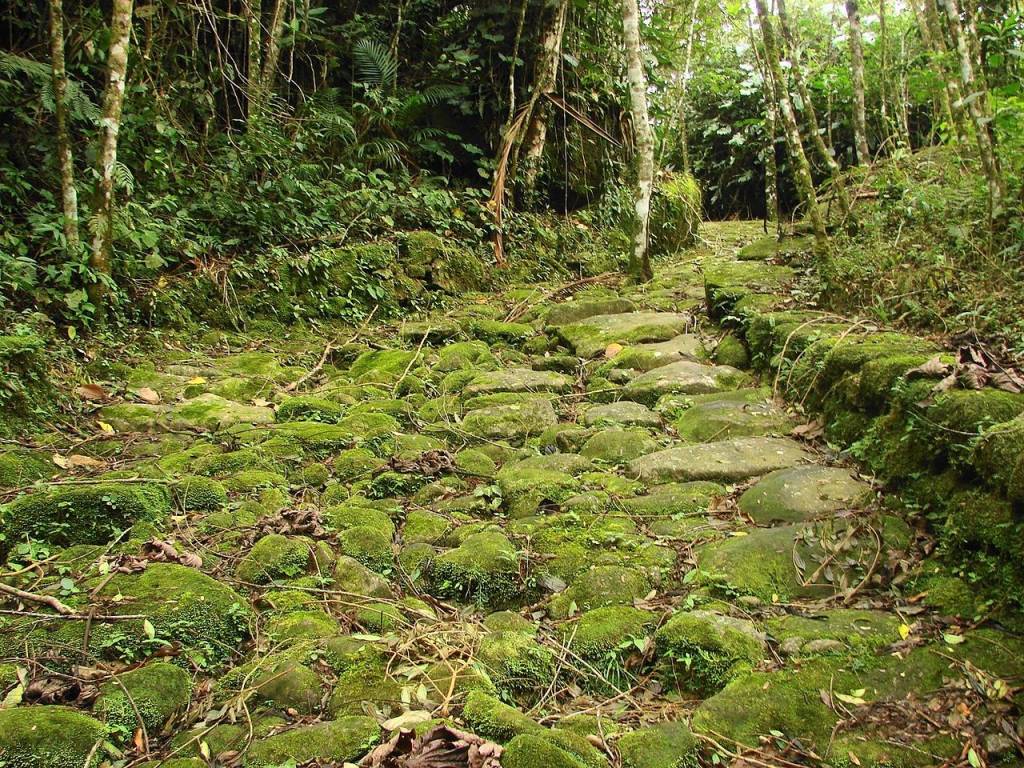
{"points": [[79, 105]]}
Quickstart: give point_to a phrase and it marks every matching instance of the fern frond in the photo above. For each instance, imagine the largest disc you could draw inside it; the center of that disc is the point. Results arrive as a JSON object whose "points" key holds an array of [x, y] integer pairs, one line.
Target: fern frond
{"points": [[123, 178], [41, 73], [375, 63]]}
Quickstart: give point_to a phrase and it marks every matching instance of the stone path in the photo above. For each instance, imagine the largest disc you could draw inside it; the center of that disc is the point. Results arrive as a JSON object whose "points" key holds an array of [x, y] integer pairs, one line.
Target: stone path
{"points": [[588, 535]]}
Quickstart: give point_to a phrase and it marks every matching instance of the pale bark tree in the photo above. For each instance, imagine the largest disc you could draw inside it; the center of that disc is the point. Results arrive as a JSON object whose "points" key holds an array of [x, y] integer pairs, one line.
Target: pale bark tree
{"points": [[640, 258], [110, 126], [772, 213], [272, 54], [546, 76], [931, 28], [977, 101], [69, 194], [798, 159], [823, 151], [254, 72], [684, 142], [860, 129]]}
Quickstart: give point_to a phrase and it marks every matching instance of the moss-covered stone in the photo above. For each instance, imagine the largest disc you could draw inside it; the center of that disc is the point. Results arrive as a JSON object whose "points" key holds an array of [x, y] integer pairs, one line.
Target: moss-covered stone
{"points": [[485, 567], [600, 586], [725, 418], [336, 741], [674, 500], [353, 577], [355, 464], [803, 493], [848, 630], [496, 331], [515, 661], [301, 625], [275, 556], [491, 718], [684, 377], [20, 467], [369, 545], [365, 686], [250, 481], [666, 745], [212, 413], [532, 750], [725, 460], [591, 336], [617, 446], [200, 494], [514, 423], [613, 628], [526, 488], [704, 650], [49, 737], [88, 514], [731, 351], [155, 693], [310, 408]]}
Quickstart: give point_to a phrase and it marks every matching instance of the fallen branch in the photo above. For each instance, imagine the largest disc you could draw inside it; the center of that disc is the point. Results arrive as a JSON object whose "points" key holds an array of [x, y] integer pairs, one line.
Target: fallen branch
{"points": [[32, 597]]}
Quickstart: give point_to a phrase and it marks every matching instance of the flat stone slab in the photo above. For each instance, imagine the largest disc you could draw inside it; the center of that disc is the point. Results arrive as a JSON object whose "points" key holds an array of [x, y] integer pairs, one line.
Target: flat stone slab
{"points": [[625, 413], [211, 412], [513, 423], [569, 312], [723, 419], [803, 493], [725, 460], [647, 357], [683, 378], [518, 380], [592, 336]]}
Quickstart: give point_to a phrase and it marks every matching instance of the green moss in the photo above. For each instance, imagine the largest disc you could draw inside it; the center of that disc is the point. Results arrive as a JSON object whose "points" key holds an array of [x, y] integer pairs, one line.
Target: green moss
{"points": [[731, 351], [200, 494], [251, 480], [49, 737], [531, 750], [422, 525], [345, 516], [381, 366], [369, 545], [352, 576], [856, 630], [515, 661], [475, 462], [337, 741], [275, 557], [598, 587], [485, 568], [89, 514], [365, 684], [496, 331], [301, 625], [487, 716], [355, 464], [310, 408], [380, 617], [666, 745], [315, 475], [207, 618], [601, 631], [155, 693], [20, 467], [998, 457], [705, 651]]}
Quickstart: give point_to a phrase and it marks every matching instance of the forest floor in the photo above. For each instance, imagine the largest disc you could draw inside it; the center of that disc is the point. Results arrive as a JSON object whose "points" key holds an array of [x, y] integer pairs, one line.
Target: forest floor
{"points": [[565, 519]]}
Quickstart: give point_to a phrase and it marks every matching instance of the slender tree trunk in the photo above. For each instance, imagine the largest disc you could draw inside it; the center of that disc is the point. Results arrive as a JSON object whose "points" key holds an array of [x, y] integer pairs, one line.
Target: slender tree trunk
{"points": [[684, 141], [817, 140], [860, 130], [640, 258], [933, 26], [977, 106], [772, 214], [272, 56], [252, 12], [801, 168], [546, 75], [110, 125], [69, 194]]}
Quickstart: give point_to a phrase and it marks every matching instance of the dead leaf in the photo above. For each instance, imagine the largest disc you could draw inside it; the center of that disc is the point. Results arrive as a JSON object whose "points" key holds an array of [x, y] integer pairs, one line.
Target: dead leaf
{"points": [[441, 747], [92, 392], [933, 368], [147, 395], [809, 431], [160, 551], [51, 689], [612, 350], [260, 402]]}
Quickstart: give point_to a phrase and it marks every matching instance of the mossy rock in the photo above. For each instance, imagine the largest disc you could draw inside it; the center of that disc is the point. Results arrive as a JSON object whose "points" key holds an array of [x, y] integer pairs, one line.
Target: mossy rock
{"points": [[345, 516], [598, 587], [207, 618], [369, 545], [365, 686], [525, 489], [514, 423], [491, 718], [684, 377], [212, 413], [353, 577], [569, 312], [675, 213], [843, 630], [674, 500], [355, 464], [704, 651], [21, 467], [517, 380], [250, 481], [726, 283], [155, 693], [724, 419], [200, 494], [381, 366], [498, 332], [724, 460], [731, 351], [803, 493], [336, 741], [998, 457], [666, 745], [624, 413], [592, 336], [612, 629], [88, 514], [280, 680], [310, 408], [617, 446], [275, 556], [301, 625], [534, 750], [49, 737], [484, 568], [515, 661]]}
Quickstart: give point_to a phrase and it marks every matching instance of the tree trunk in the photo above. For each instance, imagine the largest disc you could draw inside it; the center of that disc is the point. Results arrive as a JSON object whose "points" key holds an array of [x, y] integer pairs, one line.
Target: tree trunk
{"points": [[252, 12], [640, 258], [932, 27], [69, 194], [860, 130], [772, 215], [545, 78], [977, 106], [273, 52], [684, 142], [110, 125], [801, 168], [817, 140]]}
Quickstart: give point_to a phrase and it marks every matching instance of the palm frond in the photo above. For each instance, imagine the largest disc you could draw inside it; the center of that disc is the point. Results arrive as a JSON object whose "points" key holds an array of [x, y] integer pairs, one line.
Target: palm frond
{"points": [[375, 63]]}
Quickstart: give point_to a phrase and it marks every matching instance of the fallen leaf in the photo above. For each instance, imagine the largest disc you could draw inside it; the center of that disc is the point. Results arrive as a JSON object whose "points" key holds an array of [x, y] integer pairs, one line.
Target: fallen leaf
{"points": [[78, 460], [847, 699], [904, 631], [612, 350], [406, 720], [933, 368], [106, 428], [952, 639], [196, 380], [93, 392], [147, 395]]}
